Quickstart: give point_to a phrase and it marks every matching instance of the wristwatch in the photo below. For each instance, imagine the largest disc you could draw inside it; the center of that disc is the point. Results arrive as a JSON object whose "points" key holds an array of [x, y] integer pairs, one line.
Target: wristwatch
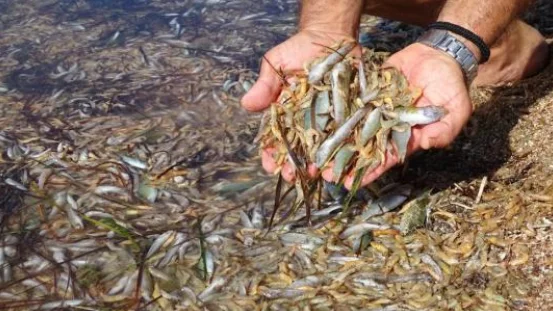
{"points": [[443, 40]]}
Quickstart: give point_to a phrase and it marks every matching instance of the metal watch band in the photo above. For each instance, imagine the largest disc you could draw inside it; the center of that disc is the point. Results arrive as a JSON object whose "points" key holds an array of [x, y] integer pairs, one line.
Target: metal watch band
{"points": [[443, 40]]}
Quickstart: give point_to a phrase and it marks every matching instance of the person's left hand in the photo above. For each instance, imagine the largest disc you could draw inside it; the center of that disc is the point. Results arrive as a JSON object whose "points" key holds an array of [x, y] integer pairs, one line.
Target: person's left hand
{"points": [[442, 83]]}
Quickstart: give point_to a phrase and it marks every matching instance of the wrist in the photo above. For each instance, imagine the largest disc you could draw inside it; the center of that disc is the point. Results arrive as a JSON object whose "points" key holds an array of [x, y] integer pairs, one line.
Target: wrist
{"points": [[443, 41], [458, 19], [333, 32], [325, 36], [341, 18], [470, 42], [469, 45]]}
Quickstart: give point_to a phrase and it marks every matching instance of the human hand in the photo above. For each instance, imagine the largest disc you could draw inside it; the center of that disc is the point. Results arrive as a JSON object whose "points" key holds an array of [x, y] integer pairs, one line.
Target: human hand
{"points": [[442, 83], [289, 57]]}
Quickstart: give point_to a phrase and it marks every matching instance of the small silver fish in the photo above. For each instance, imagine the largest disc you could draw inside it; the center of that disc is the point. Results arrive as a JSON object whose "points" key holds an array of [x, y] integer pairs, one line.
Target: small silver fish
{"points": [[158, 242], [321, 112], [420, 115], [61, 304], [371, 126], [317, 72], [214, 286], [436, 270], [134, 162], [15, 184], [366, 94], [342, 159], [362, 228], [337, 192], [400, 136], [340, 81], [282, 293], [388, 202], [331, 143]]}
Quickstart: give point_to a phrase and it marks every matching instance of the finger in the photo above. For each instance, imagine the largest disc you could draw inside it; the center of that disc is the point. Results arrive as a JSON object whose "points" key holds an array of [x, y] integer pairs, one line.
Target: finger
{"points": [[266, 88], [288, 172], [327, 173], [312, 170], [267, 160], [369, 177], [437, 135], [442, 133]]}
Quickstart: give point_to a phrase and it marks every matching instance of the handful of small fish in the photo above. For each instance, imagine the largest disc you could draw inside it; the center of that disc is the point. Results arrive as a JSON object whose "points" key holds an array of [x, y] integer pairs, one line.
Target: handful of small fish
{"points": [[351, 111]]}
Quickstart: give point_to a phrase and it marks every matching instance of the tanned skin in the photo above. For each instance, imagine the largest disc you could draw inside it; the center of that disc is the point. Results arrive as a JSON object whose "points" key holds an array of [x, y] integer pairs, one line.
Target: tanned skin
{"points": [[489, 19], [517, 51], [342, 17]]}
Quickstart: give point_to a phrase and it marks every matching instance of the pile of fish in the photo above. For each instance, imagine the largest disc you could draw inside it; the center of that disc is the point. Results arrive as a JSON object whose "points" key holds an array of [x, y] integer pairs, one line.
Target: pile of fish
{"points": [[350, 111]]}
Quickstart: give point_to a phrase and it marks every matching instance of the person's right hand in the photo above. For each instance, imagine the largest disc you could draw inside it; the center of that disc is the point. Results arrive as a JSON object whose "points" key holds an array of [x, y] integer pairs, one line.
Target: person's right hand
{"points": [[289, 56]]}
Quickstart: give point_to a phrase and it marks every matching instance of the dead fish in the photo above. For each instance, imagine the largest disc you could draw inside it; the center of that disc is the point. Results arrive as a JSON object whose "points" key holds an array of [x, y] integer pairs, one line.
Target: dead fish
{"points": [[62, 304], [15, 184], [336, 191], [400, 136], [159, 242], [392, 279], [371, 126], [209, 291], [387, 202], [362, 242], [309, 280], [420, 115], [436, 271], [74, 218], [134, 162], [330, 144], [321, 112], [291, 238], [361, 228], [317, 72], [109, 189], [342, 259], [366, 95], [342, 159], [340, 77], [273, 293]]}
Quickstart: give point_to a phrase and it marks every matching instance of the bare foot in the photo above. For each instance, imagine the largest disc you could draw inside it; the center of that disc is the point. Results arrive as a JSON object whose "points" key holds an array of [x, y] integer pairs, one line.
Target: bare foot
{"points": [[520, 53]]}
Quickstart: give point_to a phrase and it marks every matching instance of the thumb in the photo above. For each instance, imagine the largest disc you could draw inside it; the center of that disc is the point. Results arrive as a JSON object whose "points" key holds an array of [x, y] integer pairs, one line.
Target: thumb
{"points": [[266, 89]]}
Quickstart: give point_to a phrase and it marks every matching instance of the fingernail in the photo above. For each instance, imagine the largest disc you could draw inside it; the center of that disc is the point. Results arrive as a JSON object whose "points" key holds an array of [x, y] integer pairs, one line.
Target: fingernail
{"points": [[348, 182], [267, 160], [327, 175], [288, 173], [312, 170]]}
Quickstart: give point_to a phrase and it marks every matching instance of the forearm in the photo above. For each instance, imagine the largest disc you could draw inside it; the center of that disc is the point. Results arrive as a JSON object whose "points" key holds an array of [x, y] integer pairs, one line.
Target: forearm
{"points": [[340, 17], [487, 18]]}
